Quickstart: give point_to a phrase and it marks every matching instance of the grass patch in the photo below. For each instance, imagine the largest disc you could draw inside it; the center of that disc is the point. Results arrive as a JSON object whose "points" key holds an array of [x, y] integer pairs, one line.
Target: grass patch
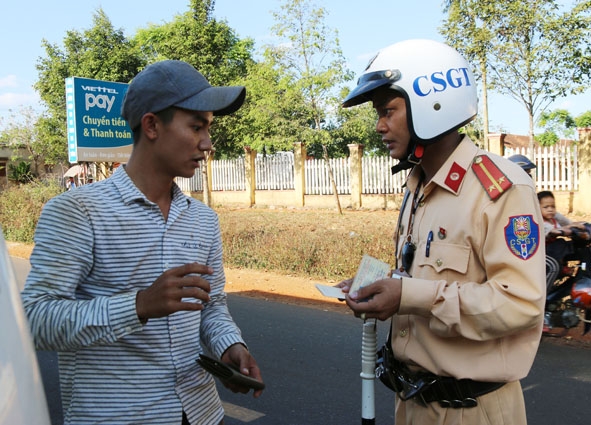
{"points": [[313, 243], [20, 208]]}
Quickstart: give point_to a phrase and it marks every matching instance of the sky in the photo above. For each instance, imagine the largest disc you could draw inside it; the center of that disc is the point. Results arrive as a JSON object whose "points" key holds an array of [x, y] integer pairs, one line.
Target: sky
{"points": [[363, 28]]}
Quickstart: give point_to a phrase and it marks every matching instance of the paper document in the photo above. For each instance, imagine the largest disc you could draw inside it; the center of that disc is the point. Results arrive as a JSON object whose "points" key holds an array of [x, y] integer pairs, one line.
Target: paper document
{"points": [[370, 269]]}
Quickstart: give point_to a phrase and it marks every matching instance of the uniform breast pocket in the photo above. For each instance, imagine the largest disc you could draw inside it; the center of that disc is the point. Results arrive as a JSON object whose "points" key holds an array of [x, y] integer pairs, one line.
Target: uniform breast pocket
{"points": [[447, 258]]}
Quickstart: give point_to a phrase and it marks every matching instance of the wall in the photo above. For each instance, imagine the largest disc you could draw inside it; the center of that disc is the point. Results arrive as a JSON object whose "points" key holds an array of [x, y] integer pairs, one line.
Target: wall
{"points": [[567, 202], [582, 202], [288, 199]]}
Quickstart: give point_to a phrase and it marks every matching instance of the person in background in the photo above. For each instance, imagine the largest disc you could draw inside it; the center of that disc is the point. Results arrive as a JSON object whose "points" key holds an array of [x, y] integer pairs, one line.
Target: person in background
{"points": [[127, 280], [555, 224], [71, 183], [466, 299], [558, 231], [524, 162]]}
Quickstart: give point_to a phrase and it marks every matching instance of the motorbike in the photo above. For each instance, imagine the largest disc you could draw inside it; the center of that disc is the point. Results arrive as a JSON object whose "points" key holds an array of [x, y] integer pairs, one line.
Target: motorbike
{"points": [[568, 299]]}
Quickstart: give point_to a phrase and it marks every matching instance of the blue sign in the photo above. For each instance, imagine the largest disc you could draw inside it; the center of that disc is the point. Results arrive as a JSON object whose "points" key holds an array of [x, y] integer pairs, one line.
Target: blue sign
{"points": [[96, 131]]}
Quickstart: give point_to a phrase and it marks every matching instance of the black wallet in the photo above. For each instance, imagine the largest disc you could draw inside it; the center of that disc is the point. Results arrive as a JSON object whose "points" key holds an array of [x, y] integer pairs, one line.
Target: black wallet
{"points": [[228, 373]]}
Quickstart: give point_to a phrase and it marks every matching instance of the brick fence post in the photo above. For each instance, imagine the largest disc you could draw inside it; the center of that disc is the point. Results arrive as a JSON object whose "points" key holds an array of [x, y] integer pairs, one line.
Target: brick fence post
{"points": [[582, 202], [250, 174]]}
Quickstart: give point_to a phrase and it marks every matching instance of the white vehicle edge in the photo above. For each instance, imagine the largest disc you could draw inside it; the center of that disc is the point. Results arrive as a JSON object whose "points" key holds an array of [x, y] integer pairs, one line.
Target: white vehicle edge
{"points": [[22, 398]]}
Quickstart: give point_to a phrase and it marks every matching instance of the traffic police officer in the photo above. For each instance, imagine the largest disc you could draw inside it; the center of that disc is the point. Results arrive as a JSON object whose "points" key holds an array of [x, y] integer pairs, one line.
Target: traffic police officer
{"points": [[467, 314]]}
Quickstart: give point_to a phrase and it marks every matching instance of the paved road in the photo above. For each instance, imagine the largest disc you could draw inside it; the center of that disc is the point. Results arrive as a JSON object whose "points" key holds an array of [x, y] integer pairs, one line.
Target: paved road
{"points": [[311, 361]]}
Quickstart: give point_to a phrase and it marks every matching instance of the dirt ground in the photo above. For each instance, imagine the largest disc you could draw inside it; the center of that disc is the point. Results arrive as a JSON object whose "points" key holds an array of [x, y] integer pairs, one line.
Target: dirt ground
{"points": [[302, 291]]}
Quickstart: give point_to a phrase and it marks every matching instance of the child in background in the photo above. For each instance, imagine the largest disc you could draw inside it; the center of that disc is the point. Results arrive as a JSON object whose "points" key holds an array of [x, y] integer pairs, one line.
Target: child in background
{"points": [[556, 227], [555, 224]]}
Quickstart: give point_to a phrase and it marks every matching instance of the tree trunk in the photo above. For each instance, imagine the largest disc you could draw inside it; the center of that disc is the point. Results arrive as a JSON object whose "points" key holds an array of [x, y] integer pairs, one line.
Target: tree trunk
{"points": [[484, 107], [332, 180], [205, 180]]}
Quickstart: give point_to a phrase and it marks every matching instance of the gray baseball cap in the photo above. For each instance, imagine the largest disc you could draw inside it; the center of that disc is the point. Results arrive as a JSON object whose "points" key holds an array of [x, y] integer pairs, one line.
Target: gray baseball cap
{"points": [[177, 83]]}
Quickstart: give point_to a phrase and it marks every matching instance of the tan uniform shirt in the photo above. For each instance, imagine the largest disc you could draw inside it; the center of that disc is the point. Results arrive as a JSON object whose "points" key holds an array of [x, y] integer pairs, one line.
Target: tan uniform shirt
{"points": [[473, 307]]}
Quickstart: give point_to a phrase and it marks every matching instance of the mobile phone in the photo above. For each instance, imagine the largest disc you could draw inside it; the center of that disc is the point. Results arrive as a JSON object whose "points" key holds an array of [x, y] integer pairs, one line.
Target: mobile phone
{"points": [[228, 373]]}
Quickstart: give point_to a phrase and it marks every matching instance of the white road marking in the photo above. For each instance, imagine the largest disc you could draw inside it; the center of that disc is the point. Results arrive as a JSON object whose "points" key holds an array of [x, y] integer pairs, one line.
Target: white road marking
{"points": [[241, 413]]}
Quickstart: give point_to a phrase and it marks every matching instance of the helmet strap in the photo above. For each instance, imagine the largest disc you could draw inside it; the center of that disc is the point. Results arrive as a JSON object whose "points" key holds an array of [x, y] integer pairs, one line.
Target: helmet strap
{"points": [[415, 156]]}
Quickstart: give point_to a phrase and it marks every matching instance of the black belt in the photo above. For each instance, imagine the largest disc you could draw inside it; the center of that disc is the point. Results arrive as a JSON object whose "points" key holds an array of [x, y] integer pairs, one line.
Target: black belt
{"points": [[426, 387], [457, 393]]}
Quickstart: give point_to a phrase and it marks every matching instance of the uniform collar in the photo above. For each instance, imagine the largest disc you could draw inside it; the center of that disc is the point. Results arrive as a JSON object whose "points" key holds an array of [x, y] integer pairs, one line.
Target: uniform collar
{"points": [[453, 171]]}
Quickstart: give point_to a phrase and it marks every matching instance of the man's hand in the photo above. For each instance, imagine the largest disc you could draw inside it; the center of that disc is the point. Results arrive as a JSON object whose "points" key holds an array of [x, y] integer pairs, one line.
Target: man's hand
{"points": [[380, 300], [238, 356], [165, 295]]}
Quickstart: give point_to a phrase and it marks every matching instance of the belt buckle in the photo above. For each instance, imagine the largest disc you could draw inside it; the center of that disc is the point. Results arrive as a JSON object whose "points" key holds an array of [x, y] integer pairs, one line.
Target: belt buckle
{"points": [[413, 389]]}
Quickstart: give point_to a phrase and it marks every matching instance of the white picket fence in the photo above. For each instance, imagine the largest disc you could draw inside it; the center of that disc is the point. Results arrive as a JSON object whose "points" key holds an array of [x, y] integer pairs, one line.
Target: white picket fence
{"points": [[557, 166], [557, 170]]}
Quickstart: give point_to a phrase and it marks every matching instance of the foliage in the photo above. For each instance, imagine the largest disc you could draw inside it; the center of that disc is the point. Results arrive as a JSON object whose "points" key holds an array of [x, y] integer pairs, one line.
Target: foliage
{"points": [[556, 123], [466, 29], [547, 138], [20, 208], [310, 54], [20, 173], [583, 120], [560, 124], [532, 50], [273, 115], [20, 136], [101, 53], [540, 53], [356, 125], [213, 48]]}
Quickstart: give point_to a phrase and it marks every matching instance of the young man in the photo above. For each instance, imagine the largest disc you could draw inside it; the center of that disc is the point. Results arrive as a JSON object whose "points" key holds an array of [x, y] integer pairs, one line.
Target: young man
{"points": [[129, 288], [467, 312]]}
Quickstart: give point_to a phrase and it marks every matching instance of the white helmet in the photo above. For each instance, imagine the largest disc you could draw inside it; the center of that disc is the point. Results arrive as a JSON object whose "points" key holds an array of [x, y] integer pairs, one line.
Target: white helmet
{"points": [[434, 79]]}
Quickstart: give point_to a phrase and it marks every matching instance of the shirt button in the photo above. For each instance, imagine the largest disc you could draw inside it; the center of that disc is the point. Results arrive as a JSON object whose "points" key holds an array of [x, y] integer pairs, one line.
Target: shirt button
{"points": [[439, 262], [403, 332]]}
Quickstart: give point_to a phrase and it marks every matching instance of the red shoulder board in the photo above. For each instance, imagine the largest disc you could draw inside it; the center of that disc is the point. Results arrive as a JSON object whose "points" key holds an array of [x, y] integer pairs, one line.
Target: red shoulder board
{"points": [[494, 182]]}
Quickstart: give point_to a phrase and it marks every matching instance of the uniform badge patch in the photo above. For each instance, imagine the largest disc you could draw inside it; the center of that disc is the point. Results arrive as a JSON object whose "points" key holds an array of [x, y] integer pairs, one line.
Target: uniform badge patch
{"points": [[522, 235], [455, 176]]}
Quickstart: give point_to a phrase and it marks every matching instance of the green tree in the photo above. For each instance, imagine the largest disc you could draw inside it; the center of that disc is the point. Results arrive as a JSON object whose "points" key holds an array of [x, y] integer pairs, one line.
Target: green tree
{"points": [[556, 124], [583, 120], [309, 52], [20, 172], [540, 52], [20, 136], [209, 45], [272, 117], [467, 29], [101, 53], [357, 125]]}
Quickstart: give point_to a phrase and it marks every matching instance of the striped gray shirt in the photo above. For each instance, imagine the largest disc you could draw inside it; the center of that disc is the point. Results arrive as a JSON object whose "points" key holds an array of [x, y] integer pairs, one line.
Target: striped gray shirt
{"points": [[95, 247]]}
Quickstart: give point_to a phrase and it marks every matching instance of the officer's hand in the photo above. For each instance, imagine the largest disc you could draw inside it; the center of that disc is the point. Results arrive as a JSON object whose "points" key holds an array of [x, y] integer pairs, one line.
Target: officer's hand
{"points": [[380, 300], [238, 356], [165, 295], [345, 285]]}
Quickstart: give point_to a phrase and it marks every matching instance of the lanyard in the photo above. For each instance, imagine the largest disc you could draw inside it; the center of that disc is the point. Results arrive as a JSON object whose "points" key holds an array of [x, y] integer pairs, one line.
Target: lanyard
{"points": [[416, 200]]}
